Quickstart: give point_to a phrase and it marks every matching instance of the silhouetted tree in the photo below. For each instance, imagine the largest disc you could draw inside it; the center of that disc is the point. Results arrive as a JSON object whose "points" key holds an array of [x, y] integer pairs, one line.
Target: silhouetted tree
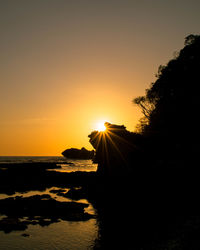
{"points": [[171, 104]]}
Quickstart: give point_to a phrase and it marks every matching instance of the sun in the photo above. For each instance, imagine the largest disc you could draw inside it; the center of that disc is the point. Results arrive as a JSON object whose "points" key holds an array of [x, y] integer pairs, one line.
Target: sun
{"points": [[100, 126]]}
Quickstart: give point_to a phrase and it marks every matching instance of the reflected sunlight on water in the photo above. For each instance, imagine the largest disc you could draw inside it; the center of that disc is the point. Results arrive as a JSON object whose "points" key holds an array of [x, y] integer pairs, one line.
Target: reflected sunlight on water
{"points": [[61, 235], [72, 235], [67, 165]]}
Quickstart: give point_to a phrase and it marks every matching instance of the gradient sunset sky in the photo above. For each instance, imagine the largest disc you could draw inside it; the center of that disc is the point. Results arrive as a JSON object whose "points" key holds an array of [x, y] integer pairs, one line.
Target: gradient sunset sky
{"points": [[65, 65]]}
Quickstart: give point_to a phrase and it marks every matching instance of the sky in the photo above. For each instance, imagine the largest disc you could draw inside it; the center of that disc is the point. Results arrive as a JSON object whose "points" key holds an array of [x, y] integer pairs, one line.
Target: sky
{"points": [[67, 64]]}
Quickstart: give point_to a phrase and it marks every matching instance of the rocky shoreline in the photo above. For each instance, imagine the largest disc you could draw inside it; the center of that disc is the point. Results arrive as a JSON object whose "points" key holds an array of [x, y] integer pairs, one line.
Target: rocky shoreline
{"points": [[33, 176], [122, 202], [38, 209]]}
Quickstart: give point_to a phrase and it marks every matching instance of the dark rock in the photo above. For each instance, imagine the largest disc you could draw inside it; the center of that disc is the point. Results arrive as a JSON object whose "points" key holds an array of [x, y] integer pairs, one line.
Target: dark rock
{"points": [[75, 153], [117, 149], [44, 222], [30, 166], [25, 235], [42, 210], [23, 179], [9, 224], [58, 191], [75, 194]]}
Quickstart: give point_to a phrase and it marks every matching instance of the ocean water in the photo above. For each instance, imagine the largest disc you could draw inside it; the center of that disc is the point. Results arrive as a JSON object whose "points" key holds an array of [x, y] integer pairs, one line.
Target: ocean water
{"points": [[67, 165], [69, 235]]}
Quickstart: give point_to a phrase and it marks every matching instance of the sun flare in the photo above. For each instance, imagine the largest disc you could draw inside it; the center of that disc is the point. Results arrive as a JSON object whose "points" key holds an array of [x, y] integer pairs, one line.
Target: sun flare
{"points": [[100, 126]]}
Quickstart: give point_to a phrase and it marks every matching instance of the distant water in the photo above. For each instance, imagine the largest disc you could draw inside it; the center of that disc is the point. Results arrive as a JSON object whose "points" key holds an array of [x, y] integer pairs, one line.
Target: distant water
{"points": [[61, 235], [67, 165], [25, 159]]}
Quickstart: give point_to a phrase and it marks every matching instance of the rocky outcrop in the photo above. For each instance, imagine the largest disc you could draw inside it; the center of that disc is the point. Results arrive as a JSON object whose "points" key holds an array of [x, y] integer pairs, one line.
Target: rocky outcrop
{"points": [[82, 154], [116, 149]]}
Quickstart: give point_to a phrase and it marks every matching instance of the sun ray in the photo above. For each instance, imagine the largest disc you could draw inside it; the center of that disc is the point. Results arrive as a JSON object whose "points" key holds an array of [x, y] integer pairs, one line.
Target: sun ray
{"points": [[121, 139], [115, 146], [106, 148]]}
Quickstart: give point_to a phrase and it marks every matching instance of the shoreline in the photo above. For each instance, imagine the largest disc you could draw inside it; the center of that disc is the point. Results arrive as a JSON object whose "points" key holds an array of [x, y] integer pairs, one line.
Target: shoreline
{"points": [[148, 201]]}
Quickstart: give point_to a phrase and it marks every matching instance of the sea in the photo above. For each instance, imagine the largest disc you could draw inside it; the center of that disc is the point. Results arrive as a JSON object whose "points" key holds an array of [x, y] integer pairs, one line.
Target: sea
{"points": [[66, 235], [67, 165]]}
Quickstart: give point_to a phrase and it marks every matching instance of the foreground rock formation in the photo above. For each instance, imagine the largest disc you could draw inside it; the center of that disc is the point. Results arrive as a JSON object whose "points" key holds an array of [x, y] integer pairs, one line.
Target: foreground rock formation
{"points": [[38, 209]]}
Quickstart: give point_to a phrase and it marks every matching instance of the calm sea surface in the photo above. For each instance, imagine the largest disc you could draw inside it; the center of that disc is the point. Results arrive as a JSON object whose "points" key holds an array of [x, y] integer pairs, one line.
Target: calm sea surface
{"points": [[68, 165], [63, 234]]}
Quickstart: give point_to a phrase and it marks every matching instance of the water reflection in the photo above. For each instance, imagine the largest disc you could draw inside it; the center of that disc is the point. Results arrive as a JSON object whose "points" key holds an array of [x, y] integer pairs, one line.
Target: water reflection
{"points": [[77, 165], [60, 235]]}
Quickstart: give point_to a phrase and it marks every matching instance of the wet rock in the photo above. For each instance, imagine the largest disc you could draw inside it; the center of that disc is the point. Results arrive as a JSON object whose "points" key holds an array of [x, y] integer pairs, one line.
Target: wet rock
{"points": [[42, 210], [75, 194], [44, 222], [25, 235], [30, 166], [58, 191], [9, 224], [27, 179]]}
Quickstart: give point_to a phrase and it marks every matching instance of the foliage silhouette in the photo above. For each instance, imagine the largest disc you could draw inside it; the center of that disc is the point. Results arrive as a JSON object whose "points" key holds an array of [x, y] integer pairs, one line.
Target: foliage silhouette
{"points": [[171, 104]]}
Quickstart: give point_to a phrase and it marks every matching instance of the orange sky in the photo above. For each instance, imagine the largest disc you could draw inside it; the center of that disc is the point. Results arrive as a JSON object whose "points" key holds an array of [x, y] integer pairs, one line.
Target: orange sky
{"points": [[67, 64]]}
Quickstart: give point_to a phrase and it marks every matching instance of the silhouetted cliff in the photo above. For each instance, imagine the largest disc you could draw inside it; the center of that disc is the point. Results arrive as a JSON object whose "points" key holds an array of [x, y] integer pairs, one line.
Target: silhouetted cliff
{"points": [[116, 148]]}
